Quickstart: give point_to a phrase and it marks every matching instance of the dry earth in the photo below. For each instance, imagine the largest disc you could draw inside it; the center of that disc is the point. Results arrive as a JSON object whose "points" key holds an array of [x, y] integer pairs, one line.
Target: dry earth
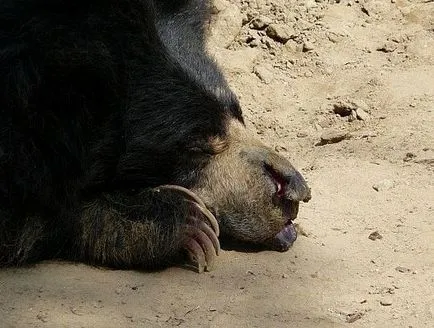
{"points": [[345, 89]]}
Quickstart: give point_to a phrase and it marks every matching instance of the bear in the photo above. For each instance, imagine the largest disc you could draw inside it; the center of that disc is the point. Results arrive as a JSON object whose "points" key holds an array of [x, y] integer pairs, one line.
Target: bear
{"points": [[122, 144]]}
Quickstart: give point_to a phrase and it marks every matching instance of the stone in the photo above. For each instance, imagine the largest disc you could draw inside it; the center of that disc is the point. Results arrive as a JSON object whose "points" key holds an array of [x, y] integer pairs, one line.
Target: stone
{"points": [[386, 302], [382, 185], [402, 269], [260, 23], [308, 46], [362, 115], [264, 73], [332, 136], [375, 235], [280, 32]]}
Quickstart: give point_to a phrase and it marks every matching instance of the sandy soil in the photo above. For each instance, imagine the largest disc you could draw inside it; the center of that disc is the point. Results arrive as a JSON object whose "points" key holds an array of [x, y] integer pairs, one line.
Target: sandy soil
{"points": [[349, 98]]}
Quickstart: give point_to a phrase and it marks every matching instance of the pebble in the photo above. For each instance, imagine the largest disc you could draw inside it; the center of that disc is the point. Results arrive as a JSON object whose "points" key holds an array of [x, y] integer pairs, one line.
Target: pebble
{"points": [[333, 136], [228, 25], [264, 74], [353, 116], [382, 185], [280, 32], [254, 43], [375, 235], [353, 317], [308, 46], [409, 156], [387, 47], [386, 302], [354, 108], [402, 269], [302, 135], [344, 108], [260, 23], [362, 115], [333, 37], [293, 46]]}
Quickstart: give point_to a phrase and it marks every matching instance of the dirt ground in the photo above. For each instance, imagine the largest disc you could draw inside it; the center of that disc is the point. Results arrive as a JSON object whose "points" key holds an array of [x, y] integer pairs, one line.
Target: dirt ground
{"points": [[345, 89]]}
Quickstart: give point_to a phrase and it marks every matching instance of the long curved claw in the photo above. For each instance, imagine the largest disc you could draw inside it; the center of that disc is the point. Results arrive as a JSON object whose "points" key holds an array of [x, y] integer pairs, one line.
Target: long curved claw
{"points": [[203, 245], [208, 249], [199, 204], [211, 218], [212, 236], [196, 254]]}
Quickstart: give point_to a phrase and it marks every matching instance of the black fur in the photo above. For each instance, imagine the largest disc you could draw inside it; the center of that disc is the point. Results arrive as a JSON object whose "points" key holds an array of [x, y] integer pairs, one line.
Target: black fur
{"points": [[99, 98]]}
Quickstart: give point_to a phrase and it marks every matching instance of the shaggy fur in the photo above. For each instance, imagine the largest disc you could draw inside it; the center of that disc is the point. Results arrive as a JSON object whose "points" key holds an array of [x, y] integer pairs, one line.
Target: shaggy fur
{"points": [[100, 101]]}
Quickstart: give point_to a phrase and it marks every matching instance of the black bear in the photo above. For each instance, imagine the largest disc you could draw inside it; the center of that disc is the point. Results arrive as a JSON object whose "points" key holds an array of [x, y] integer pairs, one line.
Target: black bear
{"points": [[121, 143]]}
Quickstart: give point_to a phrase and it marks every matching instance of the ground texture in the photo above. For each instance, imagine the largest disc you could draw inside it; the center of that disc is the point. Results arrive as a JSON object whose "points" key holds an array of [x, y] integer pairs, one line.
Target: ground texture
{"points": [[345, 89]]}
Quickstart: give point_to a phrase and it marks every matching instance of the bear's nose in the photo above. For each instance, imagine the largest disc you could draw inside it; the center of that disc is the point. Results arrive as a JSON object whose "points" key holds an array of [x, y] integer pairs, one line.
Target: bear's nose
{"points": [[290, 184]]}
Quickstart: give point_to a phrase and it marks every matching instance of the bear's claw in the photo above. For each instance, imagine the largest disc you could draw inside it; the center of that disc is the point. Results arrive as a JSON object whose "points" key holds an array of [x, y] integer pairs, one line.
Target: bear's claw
{"points": [[203, 245]]}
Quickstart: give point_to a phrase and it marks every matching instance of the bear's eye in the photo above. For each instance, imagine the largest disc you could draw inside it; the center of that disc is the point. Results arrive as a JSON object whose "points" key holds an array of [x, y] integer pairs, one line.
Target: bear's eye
{"points": [[210, 147], [200, 150]]}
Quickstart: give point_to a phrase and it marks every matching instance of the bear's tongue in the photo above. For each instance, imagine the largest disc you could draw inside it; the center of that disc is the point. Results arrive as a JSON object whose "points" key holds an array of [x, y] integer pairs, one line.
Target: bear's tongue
{"points": [[286, 237]]}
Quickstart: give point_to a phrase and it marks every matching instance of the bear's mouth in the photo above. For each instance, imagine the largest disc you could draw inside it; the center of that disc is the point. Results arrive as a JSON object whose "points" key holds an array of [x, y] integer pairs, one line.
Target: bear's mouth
{"points": [[284, 239]]}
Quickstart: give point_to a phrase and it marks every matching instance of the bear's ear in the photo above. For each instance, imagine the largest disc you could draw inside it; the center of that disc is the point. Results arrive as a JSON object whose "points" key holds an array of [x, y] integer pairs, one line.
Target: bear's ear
{"points": [[212, 146]]}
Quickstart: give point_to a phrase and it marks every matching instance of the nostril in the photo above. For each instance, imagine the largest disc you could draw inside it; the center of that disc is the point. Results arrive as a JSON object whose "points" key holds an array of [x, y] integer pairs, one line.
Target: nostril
{"points": [[280, 182], [292, 187]]}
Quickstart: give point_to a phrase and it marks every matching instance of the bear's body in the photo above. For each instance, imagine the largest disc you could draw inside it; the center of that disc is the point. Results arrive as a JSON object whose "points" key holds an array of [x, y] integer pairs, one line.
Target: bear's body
{"points": [[101, 102]]}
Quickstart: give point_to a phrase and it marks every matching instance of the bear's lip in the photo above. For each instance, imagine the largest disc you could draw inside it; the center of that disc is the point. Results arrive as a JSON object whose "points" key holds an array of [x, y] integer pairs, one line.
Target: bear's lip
{"points": [[285, 237]]}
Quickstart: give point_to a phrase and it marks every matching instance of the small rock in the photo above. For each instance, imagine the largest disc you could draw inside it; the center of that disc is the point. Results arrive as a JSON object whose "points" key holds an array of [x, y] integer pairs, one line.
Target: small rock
{"points": [[308, 46], [260, 23], [409, 156], [382, 185], [386, 302], [353, 317], [375, 235], [42, 316], [280, 32], [333, 37], [353, 116], [302, 135], [293, 46], [227, 24], [310, 4], [344, 108], [280, 148], [365, 10], [355, 108], [333, 136], [402, 269], [265, 74], [362, 115], [387, 47], [254, 43]]}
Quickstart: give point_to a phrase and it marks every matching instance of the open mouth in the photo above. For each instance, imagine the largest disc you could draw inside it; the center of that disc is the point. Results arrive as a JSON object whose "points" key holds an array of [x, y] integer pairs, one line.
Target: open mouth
{"points": [[287, 236]]}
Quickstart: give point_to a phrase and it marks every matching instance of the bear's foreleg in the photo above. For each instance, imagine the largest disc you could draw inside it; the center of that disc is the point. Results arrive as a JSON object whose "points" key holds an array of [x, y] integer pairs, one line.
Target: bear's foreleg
{"points": [[150, 229]]}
